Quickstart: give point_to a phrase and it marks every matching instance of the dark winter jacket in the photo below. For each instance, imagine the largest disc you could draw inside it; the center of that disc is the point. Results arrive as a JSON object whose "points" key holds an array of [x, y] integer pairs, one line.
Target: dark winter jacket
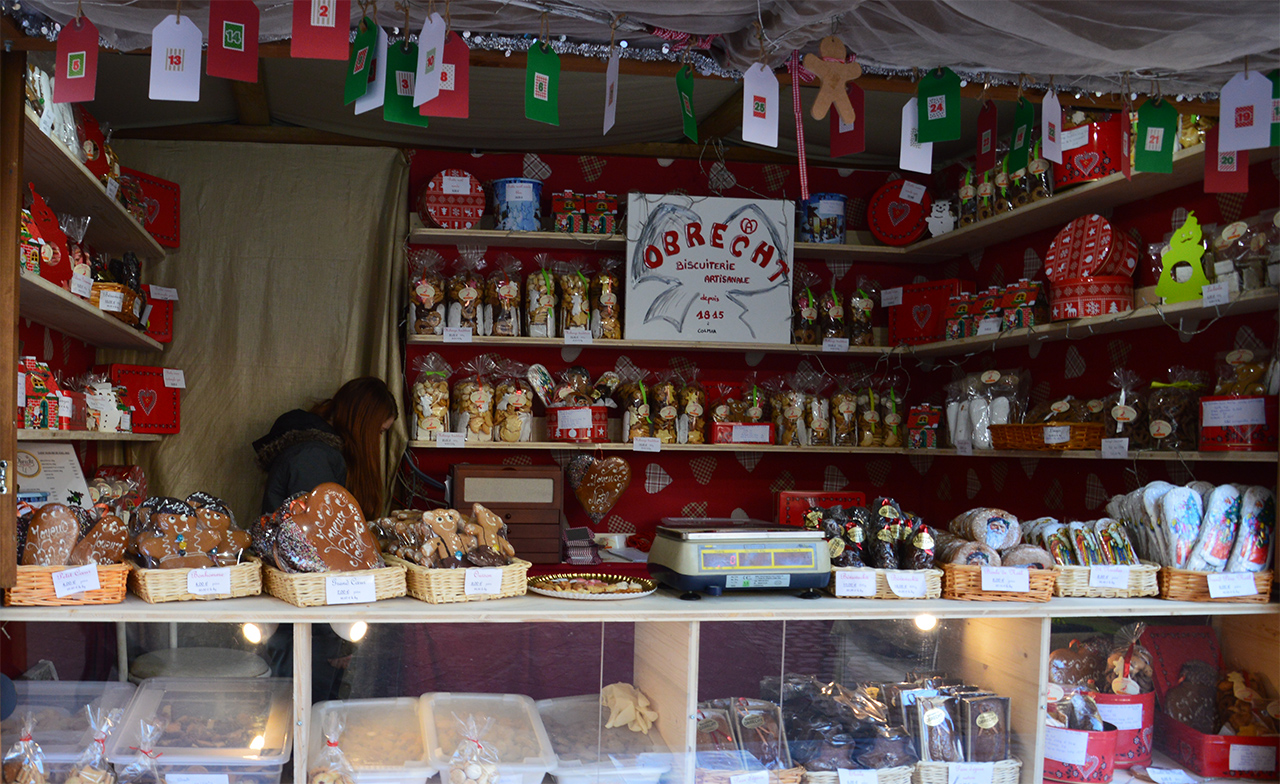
{"points": [[301, 451]]}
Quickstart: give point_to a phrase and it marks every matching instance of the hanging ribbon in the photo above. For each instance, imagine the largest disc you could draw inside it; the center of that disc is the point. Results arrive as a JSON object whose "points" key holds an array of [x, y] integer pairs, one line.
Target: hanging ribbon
{"points": [[794, 67]]}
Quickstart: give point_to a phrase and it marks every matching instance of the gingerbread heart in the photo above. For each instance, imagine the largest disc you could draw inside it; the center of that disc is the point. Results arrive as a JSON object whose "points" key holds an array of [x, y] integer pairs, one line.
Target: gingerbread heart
{"points": [[602, 485], [51, 536], [104, 544], [328, 522]]}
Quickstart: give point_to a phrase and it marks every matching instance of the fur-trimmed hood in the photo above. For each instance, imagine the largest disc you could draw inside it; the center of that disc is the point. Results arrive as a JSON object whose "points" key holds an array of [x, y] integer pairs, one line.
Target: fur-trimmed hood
{"points": [[294, 427]]}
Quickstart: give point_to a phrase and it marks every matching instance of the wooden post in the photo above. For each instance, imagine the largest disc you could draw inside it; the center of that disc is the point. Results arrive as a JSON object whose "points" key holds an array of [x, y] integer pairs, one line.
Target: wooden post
{"points": [[13, 66], [301, 698]]}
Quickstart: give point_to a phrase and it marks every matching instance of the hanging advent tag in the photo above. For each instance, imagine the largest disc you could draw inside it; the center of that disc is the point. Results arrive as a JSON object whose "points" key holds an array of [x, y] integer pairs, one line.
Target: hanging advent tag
{"points": [[321, 29], [454, 99], [1157, 130], [849, 138], [1274, 76], [1126, 133], [76, 73], [1051, 128], [1244, 112], [1023, 118], [233, 40], [402, 64], [914, 155], [938, 105], [426, 81], [760, 106], [542, 84], [684, 87], [611, 91], [175, 60], [375, 92], [988, 123], [360, 65], [1224, 172]]}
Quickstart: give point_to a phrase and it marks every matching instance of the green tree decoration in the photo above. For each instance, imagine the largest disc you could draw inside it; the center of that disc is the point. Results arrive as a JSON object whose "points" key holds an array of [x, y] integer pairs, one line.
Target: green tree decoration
{"points": [[1184, 247]]}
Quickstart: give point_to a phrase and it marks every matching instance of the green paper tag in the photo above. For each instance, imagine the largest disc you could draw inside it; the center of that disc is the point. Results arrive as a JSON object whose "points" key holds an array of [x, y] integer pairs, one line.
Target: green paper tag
{"points": [[542, 85], [1274, 76], [402, 64], [1184, 248], [1023, 118], [360, 68], [684, 86], [938, 104], [1156, 135]]}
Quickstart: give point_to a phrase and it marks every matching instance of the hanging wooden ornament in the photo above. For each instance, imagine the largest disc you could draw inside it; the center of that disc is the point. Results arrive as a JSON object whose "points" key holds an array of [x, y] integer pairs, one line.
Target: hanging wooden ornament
{"points": [[833, 74]]}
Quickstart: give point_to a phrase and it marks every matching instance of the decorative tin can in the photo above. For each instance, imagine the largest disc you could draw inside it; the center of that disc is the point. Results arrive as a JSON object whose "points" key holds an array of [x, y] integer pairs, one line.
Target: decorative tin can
{"points": [[453, 199], [1089, 152], [897, 212], [517, 204], [821, 219], [1090, 245], [1085, 297]]}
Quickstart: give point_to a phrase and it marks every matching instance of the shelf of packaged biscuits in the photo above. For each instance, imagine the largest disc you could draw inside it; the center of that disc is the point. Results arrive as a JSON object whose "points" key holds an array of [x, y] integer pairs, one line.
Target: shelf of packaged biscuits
{"points": [[45, 303], [69, 187], [25, 434]]}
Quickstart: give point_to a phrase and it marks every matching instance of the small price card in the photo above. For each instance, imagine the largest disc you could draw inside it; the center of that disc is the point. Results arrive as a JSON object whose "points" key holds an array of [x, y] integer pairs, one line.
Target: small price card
{"points": [[351, 589], [451, 440], [1115, 449], [891, 297], [759, 777], [850, 776], [196, 778], [22, 389], [1169, 776], [908, 585], [1109, 577], [113, 187], [964, 448], [1006, 578], [1252, 759], [482, 581], [164, 293], [1215, 294], [1228, 584], [988, 326], [837, 345], [970, 772], [646, 444], [577, 337], [857, 583], [111, 301], [1065, 745], [64, 407], [69, 582], [912, 192], [209, 582], [573, 418], [457, 334], [1057, 434], [175, 378], [81, 286]]}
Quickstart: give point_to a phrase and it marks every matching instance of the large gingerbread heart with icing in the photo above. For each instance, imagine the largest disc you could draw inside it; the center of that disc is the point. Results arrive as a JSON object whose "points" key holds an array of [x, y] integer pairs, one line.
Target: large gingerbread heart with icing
{"points": [[104, 544], [52, 535], [328, 526], [602, 484]]}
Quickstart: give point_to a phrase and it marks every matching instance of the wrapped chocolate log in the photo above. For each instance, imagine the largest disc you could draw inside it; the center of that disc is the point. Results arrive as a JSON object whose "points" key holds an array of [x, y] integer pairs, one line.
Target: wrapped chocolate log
{"points": [[1126, 410], [426, 291], [804, 310], [917, 550], [664, 406], [963, 552], [691, 424], [1173, 409], [606, 301], [464, 289], [996, 528], [986, 728], [575, 295], [430, 397], [541, 299], [758, 726], [502, 298], [939, 733]]}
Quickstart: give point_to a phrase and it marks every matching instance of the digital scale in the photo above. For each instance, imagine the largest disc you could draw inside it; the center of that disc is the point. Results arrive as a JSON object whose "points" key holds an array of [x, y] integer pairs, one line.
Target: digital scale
{"points": [[715, 555]]}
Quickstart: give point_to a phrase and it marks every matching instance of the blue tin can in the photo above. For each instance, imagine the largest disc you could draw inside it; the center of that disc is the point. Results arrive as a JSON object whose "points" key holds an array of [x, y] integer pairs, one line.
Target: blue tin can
{"points": [[517, 204], [821, 218]]}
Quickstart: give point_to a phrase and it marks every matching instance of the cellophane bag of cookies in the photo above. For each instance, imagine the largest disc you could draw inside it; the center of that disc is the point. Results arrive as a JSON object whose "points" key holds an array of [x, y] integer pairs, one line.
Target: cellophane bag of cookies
{"points": [[502, 299], [817, 412], [465, 289], [512, 403], [691, 423], [893, 411], [1241, 372], [430, 397], [575, 296], [787, 400], [844, 411], [664, 406], [474, 761], [541, 299], [91, 767], [472, 410], [633, 398], [332, 766], [833, 312], [753, 403], [1173, 410], [24, 761], [986, 195], [870, 428], [1126, 410], [606, 300], [426, 291], [804, 309], [143, 768], [862, 312], [968, 196], [1039, 181], [574, 388]]}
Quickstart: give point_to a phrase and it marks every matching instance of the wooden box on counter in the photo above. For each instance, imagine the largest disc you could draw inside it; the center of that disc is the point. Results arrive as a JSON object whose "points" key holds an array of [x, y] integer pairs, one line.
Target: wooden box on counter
{"points": [[530, 500]]}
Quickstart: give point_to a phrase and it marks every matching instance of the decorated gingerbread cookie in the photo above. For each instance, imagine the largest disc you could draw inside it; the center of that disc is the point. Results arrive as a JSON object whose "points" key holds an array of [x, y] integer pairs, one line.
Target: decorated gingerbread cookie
{"points": [[104, 544], [51, 536]]}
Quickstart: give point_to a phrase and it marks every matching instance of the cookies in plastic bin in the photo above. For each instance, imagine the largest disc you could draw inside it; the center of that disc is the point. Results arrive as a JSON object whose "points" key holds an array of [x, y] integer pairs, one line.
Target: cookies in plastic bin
{"points": [[24, 761], [541, 299], [804, 309], [512, 403], [691, 425], [575, 299], [502, 298], [664, 407], [472, 409], [474, 761], [464, 289], [426, 292], [430, 397], [332, 766], [143, 768], [606, 301]]}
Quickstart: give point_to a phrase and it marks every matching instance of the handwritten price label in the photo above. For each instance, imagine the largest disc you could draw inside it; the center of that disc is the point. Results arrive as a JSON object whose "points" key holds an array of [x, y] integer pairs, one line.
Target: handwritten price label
{"points": [[209, 582], [849, 776], [482, 581], [1109, 577], [111, 301], [837, 345], [175, 378], [164, 293], [857, 583], [81, 286], [1057, 434], [577, 337], [1115, 449], [352, 589], [457, 334], [1229, 584], [1006, 578], [646, 444], [69, 582], [891, 297], [909, 585], [451, 440], [970, 772]]}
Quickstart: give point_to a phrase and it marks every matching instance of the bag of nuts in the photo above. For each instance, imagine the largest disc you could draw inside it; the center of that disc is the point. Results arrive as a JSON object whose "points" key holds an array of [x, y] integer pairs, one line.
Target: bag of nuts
{"points": [[474, 761], [606, 301], [691, 427], [426, 292], [541, 298], [804, 308], [502, 299], [512, 403], [465, 288], [332, 766], [575, 300], [473, 399], [430, 397]]}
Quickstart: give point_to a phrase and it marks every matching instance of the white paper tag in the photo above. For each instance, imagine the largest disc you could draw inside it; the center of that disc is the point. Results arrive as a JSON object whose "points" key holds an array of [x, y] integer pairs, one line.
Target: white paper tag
{"points": [[830, 208], [113, 187], [64, 407], [1109, 577], [455, 186], [111, 301], [759, 777], [482, 581], [1224, 585], [1057, 434], [451, 440], [970, 772], [22, 389], [46, 123], [1075, 138], [757, 581], [646, 444], [164, 293], [891, 297], [1013, 579], [573, 418], [78, 580], [349, 589], [1244, 113], [377, 92], [1115, 448], [209, 582], [577, 337], [989, 326], [964, 448], [1233, 413], [1252, 758], [519, 191], [426, 83], [912, 192], [175, 60], [175, 378], [760, 110], [1125, 717], [857, 583], [750, 434], [908, 585], [1051, 128], [457, 334], [837, 345], [197, 778], [1065, 745], [1169, 776], [611, 91], [81, 286], [1215, 294], [851, 776], [145, 318], [913, 154]]}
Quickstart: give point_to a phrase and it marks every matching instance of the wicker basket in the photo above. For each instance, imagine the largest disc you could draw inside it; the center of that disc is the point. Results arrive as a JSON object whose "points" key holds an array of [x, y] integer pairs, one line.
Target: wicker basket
{"points": [[308, 589], [1184, 585], [1006, 772], [1074, 581], [129, 300], [898, 775], [965, 582], [34, 587], [170, 585], [1082, 436], [444, 586], [788, 776], [932, 585]]}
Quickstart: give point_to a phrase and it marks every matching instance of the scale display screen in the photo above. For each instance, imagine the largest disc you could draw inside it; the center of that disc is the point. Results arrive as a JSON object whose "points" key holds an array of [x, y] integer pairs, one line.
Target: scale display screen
{"points": [[724, 558]]}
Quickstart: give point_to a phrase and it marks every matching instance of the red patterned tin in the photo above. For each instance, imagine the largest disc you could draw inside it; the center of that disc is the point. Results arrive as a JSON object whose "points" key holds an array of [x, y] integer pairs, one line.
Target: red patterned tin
{"points": [[1089, 152], [1085, 297], [453, 199], [1090, 245], [895, 220]]}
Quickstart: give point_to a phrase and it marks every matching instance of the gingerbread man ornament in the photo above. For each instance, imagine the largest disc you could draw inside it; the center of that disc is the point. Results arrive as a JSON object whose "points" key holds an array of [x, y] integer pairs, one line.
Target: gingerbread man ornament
{"points": [[833, 73]]}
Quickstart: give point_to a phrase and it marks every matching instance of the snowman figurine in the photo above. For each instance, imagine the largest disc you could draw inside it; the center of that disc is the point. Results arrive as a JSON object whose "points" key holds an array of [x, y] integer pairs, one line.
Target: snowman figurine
{"points": [[941, 220]]}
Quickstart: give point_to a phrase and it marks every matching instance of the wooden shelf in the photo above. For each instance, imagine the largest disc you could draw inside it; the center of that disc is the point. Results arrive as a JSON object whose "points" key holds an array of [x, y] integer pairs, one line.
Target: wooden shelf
{"points": [[82, 435], [69, 187], [1088, 454], [554, 240], [655, 345], [45, 303]]}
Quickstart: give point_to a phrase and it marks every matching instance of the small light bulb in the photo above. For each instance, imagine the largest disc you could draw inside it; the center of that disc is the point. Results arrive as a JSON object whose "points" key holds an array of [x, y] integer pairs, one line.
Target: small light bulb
{"points": [[358, 631], [507, 53], [622, 44], [252, 633], [926, 622], [564, 38], [1097, 94], [964, 82], [466, 33], [666, 49]]}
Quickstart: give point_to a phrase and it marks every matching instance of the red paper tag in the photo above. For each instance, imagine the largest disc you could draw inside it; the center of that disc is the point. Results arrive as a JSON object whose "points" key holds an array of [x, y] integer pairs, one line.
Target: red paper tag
{"points": [[987, 129], [850, 139], [76, 72], [1226, 172], [55, 263], [321, 29], [454, 99], [233, 40]]}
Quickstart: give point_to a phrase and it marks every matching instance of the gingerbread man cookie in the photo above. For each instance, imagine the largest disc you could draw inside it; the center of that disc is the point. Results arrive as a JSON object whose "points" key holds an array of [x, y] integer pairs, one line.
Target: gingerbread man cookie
{"points": [[174, 538], [491, 524], [833, 72], [445, 526]]}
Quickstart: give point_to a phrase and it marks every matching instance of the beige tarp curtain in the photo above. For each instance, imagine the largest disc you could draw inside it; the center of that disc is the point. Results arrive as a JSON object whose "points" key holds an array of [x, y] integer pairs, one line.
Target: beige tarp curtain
{"points": [[290, 280]]}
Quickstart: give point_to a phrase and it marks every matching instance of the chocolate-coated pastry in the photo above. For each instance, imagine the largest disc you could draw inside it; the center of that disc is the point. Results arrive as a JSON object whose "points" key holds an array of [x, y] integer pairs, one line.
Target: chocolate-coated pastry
{"points": [[486, 556], [1192, 700]]}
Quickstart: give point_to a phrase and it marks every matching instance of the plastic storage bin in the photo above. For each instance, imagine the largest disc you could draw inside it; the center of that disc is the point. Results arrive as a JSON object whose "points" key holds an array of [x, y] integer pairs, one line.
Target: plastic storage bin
{"points": [[575, 727], [383, 739], [238, 727], [517, 735], [62, 728]]}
